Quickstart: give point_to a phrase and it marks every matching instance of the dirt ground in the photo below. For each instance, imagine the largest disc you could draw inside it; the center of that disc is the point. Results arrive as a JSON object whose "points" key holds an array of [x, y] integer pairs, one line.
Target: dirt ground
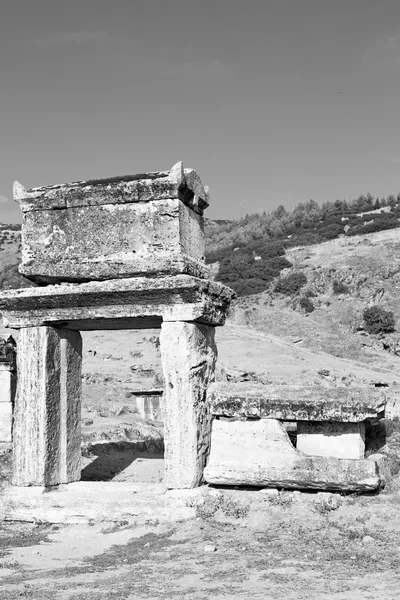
{"points": [[242, 544]]}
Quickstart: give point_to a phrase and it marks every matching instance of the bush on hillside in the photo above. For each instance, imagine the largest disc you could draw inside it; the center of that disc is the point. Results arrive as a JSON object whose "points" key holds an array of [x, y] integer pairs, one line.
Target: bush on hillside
{"points": [[246, 275], [290, 284], [306, 305], [339, 288], [310, 294], [378, 320]]}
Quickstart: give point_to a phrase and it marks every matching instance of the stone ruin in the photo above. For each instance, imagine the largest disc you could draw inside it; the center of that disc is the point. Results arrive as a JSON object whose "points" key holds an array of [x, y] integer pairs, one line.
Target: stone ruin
{"points": [[128, 253], [120, 253], [8, 381]]}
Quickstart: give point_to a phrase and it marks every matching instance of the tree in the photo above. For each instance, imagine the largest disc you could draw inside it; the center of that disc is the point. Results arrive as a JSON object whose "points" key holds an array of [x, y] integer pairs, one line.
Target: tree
{"points": [[378, 320]]}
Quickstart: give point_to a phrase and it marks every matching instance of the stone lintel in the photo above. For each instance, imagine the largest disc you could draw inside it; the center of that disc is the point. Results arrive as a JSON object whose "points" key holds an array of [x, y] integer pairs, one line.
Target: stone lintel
{"points": [[296, 403], [181, 183], [125, 303]]}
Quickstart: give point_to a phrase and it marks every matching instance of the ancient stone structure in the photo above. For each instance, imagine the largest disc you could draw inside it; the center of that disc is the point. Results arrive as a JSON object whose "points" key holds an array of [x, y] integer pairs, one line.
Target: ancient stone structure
{"points": [[7, 387], [251, 447], [120, 253], [259, 453]]}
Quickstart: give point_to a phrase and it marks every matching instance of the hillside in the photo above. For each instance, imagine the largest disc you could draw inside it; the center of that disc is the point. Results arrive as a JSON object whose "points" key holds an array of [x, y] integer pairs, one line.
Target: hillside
{"points": [[10, 248], [368, 266]]}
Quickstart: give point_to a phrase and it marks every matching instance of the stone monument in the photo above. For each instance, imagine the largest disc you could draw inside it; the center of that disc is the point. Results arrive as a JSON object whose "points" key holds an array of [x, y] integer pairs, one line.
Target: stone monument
{"points": [[119, 253]]}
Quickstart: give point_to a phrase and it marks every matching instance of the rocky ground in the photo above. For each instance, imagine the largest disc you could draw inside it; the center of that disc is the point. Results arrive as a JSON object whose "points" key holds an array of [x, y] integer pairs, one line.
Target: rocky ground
{"points": [[240, 544]]}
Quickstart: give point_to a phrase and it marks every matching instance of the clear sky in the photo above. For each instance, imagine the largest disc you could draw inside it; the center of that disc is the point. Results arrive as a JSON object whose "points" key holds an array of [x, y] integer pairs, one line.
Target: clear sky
{"points": [[272, 101]]}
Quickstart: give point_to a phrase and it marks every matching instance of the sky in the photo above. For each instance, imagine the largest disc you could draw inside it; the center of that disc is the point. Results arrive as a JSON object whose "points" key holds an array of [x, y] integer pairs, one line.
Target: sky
{"points": [[273, 102]]}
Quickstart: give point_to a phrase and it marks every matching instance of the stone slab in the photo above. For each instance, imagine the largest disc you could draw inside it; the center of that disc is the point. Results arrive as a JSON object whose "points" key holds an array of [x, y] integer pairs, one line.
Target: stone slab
{"points": [[259, 453], [90, 502], [112, 241], [296, 403], [178, 182], [342, 440], [117, 304]]}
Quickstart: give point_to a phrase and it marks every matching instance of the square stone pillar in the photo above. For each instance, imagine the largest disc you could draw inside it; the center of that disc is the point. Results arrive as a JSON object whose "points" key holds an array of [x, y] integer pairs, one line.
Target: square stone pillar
{"points": [[7, 393], [341, 440], [188, 355], [47, 415]]}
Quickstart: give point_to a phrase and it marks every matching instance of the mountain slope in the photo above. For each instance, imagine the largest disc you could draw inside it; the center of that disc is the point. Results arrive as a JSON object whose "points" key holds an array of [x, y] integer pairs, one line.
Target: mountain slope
{"points": [[368, 266]]}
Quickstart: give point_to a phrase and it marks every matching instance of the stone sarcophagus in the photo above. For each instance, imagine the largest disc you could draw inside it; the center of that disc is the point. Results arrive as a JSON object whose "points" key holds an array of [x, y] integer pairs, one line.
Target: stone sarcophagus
{"points": [[146, 224]]}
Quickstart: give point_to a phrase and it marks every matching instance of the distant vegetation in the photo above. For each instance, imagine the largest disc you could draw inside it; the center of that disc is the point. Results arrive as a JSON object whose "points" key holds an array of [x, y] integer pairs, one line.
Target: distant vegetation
{"points": [[9, 258], [378, 320], [251, 251]]}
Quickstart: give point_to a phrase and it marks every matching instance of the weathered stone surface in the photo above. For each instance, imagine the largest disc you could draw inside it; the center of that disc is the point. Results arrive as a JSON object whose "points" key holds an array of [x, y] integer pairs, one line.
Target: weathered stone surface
{"points": [[6, 413], [181, 183], [47, 432], [8, 382], [149, 406], [188, 355], [127, 226], [93, 501], [259, 453], [112, 241], [296, 403], [117, 304], [343, 440]]}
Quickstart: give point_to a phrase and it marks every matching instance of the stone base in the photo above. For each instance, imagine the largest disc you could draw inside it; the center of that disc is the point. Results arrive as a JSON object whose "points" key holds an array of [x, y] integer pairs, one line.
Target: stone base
{"points": [[342, 440], [259, 453], [88, 502]]}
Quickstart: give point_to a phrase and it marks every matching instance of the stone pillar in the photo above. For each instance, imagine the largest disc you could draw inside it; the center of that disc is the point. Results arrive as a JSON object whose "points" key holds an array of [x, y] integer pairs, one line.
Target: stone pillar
{"points": [[7, 393], [342, 440], [47, 415], [188, 355]]}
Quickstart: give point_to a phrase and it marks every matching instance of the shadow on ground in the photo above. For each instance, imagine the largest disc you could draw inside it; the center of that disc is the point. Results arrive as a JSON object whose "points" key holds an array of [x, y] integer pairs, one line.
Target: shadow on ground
{"points": [[122, 461]]}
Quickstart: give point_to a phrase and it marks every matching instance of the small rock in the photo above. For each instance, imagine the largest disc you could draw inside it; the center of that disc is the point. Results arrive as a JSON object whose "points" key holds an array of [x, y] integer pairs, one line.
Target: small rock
{"points": [[210, 548], [87, 422], [368, 539], [269, 491]]}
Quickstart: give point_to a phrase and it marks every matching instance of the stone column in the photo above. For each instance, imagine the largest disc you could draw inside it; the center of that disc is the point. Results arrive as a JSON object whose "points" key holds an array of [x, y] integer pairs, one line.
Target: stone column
{"points": [[188, 355], [47, 415]]}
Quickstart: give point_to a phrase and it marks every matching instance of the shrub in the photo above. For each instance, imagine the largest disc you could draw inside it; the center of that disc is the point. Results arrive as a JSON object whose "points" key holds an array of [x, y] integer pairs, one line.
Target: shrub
{"points": [[377, 320], [339, 288], [306, 305], [291, 284]]}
